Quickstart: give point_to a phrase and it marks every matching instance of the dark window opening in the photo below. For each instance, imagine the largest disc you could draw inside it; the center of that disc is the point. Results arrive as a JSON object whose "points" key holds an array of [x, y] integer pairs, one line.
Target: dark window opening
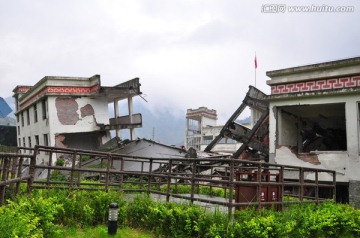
{"points": [[36, 140], [342, 193], [312, 127], [35, 113], [46, 140], [43, 107], [28, 116], [22, 119]]}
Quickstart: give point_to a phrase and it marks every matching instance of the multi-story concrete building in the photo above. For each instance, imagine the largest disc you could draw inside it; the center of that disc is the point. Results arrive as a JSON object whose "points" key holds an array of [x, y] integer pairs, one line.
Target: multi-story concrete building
{"points": [[72, 112], [314, 121], [201, 129]]}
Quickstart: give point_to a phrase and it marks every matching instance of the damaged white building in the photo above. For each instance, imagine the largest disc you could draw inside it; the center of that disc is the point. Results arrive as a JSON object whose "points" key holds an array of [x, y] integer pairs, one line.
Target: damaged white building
{"points": [[73, 112], [315, 121]]}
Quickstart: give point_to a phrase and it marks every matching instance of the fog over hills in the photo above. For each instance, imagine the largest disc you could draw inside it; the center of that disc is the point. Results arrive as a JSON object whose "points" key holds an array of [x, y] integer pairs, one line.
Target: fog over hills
{"points": [[161, 125]]}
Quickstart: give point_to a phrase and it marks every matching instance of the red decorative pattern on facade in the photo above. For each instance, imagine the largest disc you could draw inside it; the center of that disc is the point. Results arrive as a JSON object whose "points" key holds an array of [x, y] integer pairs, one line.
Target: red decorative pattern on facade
{"points": [[52, 90], [71, 90], [324, 84]]}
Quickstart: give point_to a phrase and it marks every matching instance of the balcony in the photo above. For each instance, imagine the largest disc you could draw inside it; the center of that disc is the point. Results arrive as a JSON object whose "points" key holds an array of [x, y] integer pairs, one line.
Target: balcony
{"points": [[125, 122]]}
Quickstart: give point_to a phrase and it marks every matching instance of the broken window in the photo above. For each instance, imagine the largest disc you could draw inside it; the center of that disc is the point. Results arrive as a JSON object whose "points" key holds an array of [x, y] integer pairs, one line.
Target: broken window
{"points": [[46, 140], [207, 140], [319, 127], [43, 107], [36, 140], [35, 113], [28, 116], [22, 119]]}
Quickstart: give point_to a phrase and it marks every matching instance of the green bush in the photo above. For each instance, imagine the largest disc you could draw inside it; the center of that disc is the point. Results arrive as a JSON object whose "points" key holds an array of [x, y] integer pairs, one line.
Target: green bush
{"points": [[60, 162], [44, 212]]}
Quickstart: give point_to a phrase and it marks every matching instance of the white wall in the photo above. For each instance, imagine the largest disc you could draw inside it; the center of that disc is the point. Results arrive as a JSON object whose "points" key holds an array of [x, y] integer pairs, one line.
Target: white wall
{"points": [[345, 163]]}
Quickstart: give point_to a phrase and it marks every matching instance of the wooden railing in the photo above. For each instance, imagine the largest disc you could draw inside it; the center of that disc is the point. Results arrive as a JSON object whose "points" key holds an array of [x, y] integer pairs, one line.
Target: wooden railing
{"points": [[243, 183]]}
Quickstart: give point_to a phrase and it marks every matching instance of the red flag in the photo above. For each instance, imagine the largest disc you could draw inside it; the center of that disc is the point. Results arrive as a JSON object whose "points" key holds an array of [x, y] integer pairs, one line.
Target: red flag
{"points": [[255, 61]]}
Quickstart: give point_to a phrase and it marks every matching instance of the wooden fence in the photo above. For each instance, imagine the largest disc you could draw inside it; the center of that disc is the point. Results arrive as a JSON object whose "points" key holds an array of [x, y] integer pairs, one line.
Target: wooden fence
{"points": [[242, 183]]}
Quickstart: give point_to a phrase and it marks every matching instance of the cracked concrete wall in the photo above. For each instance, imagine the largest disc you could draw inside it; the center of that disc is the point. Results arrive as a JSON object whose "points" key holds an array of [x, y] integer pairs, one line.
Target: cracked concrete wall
{"points": [[87, 110], [345, 163], [76, 115], [66, 109]]}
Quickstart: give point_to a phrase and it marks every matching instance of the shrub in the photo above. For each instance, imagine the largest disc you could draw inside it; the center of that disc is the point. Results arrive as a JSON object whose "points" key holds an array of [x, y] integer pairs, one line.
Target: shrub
{"points": [[60, 162]]}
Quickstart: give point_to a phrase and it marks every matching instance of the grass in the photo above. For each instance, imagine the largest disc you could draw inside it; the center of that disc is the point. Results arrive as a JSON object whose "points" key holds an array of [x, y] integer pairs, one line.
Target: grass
{"points": [[102, 232]]}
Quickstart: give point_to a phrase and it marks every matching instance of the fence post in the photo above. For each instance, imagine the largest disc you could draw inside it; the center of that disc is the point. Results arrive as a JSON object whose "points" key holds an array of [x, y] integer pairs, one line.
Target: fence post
{"points": [[32, 170], [73, 160], [231, 187], [281, 180], [317, 186], [150, 176], [107, 178], [334, 185], [13, 170], [168, 181], [193, 180], [258, 179], [19, 173], [49, 169], [5, 167], [301, 179], [122, 171]]}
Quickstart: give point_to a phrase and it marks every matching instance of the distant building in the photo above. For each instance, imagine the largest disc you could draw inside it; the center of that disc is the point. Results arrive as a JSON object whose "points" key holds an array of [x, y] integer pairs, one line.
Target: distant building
{"points": [[201, 129], [315, 121], [72, 112]]}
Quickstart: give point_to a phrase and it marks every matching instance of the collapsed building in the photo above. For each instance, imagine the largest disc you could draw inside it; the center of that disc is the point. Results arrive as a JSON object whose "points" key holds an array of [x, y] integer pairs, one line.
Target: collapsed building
{"points": [[73, 112], [311, 119], [314, 120]]}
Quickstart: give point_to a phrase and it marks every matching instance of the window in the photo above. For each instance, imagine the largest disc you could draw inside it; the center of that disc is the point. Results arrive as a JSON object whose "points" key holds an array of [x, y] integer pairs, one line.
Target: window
{"points": [[29, 140], [24, 144], [22, 119], [43, 107], [18, 129], [319, 127], [46, 140], [207, 140], [19, 142], [35, 113], [28, 116], [36, 140]]}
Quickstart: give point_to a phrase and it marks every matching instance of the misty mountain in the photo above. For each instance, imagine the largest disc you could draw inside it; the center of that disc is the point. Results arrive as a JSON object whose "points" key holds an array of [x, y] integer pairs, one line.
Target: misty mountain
{"points": [[162, 126], [10, 119]]}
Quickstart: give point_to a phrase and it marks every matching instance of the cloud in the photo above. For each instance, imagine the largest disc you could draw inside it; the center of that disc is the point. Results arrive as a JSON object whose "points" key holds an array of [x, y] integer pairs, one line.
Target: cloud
{"points": [[187, 53]]}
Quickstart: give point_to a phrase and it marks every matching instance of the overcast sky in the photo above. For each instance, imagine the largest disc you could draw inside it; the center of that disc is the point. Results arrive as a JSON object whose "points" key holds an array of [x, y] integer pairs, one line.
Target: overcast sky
{"points": [[186, 53]]}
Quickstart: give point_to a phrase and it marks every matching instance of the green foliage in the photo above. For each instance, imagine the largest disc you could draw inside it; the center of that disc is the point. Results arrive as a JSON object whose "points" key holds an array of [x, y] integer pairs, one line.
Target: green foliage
{"points": [[32, 217], [60, 162], [169, 219], [45, 213], [85, 158], [57, 176]]}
